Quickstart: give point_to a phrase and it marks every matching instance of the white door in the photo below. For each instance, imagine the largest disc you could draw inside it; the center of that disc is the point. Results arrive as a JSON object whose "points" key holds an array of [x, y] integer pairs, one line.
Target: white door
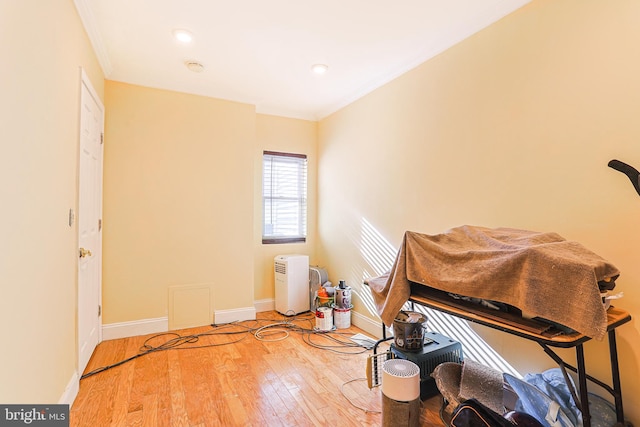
{"points": [[89, 224]]}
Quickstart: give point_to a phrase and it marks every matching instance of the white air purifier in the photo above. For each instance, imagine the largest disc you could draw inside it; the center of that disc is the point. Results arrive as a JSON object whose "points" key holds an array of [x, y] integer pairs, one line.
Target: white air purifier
{"points": [[400, 393], [292, 284]]}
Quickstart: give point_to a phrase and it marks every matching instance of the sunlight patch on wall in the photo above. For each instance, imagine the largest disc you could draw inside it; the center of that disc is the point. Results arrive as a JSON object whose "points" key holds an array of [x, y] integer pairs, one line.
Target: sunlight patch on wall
{"points": [[375, 249], [379, 256], [473, 346], [362, 292]]}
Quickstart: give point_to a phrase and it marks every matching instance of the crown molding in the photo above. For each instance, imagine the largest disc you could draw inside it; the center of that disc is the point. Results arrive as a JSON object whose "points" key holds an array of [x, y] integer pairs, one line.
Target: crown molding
{"points": [[89, 22]]}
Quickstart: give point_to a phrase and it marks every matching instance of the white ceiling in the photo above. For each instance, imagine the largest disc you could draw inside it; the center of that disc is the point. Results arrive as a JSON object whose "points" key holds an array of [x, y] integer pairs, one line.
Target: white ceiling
{"points": [[261, 51]]}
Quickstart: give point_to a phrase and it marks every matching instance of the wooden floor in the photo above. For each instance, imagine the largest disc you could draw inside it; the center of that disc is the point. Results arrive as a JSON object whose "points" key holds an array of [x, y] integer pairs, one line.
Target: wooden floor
{"points": [[236, 380]]}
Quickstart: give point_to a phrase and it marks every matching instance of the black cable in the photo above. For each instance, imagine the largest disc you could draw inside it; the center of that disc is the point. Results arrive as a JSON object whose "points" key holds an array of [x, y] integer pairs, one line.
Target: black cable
{"points": [[180, 342], [330, 336], [172, 344], [104, 368]]}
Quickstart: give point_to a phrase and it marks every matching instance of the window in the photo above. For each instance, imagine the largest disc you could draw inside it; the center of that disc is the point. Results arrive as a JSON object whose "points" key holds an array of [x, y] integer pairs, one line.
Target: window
{"points": [[284, 197]]}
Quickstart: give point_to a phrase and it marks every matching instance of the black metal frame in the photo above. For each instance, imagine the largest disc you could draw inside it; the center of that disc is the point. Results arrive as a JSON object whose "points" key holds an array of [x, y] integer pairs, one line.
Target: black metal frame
{"points": [[583, 400]]}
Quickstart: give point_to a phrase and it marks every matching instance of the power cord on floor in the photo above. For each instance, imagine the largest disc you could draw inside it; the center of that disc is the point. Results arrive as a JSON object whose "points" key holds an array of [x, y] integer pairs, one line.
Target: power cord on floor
{"points": [[278, 328], [332, 336], [172, 344], [366, 410], [264, 333]]}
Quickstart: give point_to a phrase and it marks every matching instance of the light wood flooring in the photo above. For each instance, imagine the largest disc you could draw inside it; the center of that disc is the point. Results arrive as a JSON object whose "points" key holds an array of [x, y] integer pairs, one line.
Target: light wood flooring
{"points": [[235, 380]]}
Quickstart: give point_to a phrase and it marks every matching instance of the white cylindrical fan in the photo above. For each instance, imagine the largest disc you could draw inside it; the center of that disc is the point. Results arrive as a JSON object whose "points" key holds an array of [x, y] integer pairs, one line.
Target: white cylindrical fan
{"points": [[400, 393]]}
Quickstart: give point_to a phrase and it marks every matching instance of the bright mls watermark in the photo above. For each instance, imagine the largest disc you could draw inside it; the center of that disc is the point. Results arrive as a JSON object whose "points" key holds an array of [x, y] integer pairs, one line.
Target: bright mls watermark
{"points": [[34, 415]]}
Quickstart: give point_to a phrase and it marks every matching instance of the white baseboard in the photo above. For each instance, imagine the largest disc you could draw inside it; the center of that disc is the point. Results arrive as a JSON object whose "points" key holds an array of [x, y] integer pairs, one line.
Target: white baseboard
{"points": [[372, 327], [265, 305], [234, 315], [71, 391], [134, 328], [161, 324]]}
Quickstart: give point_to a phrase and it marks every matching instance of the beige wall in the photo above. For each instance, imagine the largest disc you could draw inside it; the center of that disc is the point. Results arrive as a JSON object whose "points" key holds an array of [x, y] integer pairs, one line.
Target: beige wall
{"points": [[286, 135], [42, 46], [168, 157], [512, 127], [178, 200]]}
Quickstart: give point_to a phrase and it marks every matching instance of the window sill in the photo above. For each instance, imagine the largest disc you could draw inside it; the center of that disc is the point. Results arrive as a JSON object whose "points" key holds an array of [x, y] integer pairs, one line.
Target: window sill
{"points": [[273, 241]]}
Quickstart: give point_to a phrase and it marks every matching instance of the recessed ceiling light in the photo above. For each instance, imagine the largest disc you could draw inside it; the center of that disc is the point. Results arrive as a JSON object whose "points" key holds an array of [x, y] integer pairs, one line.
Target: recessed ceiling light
{"points": [[319, 68], [194, 66], [184, 36]]}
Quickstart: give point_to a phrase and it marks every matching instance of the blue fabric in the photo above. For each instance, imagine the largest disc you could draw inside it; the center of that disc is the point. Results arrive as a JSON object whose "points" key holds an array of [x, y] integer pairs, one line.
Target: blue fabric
{"points": [[534, 402], [539, 391], [552, 383]]}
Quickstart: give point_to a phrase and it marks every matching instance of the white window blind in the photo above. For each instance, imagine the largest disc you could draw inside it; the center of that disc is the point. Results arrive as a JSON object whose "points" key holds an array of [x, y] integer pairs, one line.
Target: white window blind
{"points": [[284, 196]]}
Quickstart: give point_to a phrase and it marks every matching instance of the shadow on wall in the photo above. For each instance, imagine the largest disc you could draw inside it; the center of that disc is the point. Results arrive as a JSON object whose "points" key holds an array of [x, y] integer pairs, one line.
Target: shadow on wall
{"points": [[378, 256]]}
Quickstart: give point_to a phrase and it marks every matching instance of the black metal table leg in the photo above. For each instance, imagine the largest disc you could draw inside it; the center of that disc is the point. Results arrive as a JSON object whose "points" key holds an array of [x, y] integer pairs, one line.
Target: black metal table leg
{"points": [[582, 385], [615, 376]]}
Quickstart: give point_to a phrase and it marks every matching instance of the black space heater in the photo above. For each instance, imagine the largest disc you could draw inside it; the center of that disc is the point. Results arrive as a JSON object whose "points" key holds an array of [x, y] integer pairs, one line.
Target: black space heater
{"points": [[437, 349]]}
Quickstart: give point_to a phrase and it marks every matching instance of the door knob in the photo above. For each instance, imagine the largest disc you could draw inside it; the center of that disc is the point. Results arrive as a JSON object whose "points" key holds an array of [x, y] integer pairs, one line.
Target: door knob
{"points": [[84, 252]]}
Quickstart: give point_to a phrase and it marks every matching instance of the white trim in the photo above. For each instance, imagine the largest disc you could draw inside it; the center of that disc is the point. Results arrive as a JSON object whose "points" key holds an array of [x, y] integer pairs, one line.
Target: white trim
{"points": [[134, 328], [85, 83], [372, 327], [71, 391], [268, 304], [234, 315], [84, 79], [91, 27]]}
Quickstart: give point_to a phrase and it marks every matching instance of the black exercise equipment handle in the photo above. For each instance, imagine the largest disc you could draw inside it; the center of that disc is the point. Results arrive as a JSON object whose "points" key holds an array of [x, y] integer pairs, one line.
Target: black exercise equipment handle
{"points": [[630, 171]]}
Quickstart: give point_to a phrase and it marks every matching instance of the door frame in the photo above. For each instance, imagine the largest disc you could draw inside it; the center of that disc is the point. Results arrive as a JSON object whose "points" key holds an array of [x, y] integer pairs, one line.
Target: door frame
{"points": [[86, 82]]}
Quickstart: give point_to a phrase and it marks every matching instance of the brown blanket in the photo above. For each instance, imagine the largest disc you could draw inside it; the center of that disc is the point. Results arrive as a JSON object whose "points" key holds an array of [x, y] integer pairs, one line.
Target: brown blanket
{"points": [[542, 274]]}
